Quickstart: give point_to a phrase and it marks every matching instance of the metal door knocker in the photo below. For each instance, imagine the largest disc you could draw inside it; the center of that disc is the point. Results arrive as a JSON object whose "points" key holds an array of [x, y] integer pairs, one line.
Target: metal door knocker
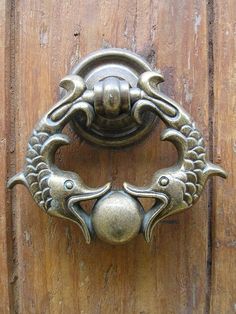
{"points": [[113, 99]]}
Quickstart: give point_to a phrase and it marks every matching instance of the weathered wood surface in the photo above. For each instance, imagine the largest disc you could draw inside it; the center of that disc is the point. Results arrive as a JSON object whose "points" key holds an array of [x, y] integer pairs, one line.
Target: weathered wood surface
{"points": [[54, 270], [223, 299], [5, 216]]}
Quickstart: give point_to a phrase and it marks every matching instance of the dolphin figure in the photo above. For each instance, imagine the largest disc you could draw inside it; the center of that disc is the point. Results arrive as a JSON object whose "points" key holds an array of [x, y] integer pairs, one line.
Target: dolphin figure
{"points": [[178, 187], [58, 192]]}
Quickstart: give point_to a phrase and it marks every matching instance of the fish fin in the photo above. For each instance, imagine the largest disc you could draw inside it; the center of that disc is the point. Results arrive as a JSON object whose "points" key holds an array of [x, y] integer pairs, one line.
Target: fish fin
{"points": [[19, 178], [173, 135], [51, 145], [214, 170], [178, 139], [151, 218]]}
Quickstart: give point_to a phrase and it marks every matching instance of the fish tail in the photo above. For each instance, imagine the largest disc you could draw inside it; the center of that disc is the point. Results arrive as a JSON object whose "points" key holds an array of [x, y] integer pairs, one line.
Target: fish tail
{"points": [[214, 170], [19, 178]]}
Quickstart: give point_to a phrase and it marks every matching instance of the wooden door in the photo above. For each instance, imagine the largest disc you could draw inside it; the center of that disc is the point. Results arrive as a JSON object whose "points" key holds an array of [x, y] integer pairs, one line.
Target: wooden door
{"points": [[189, 267]]}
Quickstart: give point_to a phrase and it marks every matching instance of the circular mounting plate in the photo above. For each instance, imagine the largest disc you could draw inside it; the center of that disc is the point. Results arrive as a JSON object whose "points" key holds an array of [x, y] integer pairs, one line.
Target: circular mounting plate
{"points": [[122, 130]]}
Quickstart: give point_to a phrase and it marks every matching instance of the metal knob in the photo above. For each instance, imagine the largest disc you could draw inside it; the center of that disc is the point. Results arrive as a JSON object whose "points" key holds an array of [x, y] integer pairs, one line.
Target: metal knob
{"points": [[113, 99]]}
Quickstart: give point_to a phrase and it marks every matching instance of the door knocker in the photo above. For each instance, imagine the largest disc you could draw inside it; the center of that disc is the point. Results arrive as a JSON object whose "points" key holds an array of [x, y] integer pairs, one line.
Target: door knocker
{"points": [[113, 99]]}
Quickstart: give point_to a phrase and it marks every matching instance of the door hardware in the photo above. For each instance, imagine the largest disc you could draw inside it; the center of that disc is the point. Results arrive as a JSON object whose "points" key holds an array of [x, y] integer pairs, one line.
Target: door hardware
{"points": [[113, 99]]}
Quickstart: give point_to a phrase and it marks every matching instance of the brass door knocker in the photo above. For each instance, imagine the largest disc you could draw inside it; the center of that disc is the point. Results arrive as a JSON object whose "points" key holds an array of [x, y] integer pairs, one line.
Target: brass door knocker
{"points": [[113, 99]]}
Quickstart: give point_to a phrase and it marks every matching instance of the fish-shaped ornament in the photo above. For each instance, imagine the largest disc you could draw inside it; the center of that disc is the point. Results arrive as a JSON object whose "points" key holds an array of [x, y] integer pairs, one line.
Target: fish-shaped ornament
{"points": [[118, 216], [179, 187], [56, 191]]}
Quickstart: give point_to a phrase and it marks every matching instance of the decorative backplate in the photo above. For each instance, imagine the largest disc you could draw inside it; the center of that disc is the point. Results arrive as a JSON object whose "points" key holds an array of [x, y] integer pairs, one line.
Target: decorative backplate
{"points": [[114, 101], [111, 76]]}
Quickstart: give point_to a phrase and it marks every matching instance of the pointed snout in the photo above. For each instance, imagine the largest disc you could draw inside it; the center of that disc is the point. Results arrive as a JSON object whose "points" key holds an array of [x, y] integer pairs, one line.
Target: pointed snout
{"points": [[137, 191], [88, 194], [146, 192]]}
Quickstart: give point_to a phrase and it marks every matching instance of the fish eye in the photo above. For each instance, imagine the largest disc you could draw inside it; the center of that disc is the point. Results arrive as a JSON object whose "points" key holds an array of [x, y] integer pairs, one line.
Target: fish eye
{"points": [[69, 184], [163, 181]]}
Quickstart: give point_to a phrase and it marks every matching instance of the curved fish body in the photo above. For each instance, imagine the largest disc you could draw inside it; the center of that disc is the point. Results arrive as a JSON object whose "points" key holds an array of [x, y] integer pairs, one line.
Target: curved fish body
{"points": [[179, 187], [58, 192]]}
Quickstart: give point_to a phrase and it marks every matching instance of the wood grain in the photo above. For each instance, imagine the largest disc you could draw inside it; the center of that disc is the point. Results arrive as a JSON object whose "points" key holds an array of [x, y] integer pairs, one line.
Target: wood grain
{"points": [[57, 272], [5, 213], [223, 298]]}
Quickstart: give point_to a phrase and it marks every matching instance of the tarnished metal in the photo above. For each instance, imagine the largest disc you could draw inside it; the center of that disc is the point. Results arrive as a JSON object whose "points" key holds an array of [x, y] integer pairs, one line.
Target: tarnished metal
{"points": [[111, 77], [58, 192], [115, 91], [179, 187], [117, 217]]}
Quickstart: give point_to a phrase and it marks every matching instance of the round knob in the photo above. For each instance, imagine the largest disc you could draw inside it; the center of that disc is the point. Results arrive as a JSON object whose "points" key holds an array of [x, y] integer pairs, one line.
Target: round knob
{"points": [[117, 217], [111, 97]]}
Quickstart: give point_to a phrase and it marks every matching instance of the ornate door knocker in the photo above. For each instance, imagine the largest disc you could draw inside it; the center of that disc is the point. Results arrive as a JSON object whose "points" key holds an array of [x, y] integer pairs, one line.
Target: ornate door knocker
{"points": [[113, 99]]}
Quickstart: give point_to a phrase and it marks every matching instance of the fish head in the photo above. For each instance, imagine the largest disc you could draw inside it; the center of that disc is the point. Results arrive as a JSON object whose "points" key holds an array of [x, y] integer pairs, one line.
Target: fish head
{"points": [[169, 183], [67, 190], [166, 188]]}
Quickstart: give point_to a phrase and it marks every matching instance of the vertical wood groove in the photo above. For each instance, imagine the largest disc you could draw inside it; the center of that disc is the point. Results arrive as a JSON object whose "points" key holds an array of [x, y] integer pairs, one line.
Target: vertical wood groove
{"points": [[4, 196], [7, 147], [12, 156], [210, 29], [223, 276]]}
